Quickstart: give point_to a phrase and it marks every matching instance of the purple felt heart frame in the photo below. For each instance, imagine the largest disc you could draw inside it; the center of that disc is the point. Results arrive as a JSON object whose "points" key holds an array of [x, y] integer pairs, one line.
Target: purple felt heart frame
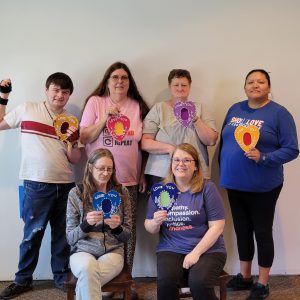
{"points": [[185, 112]]}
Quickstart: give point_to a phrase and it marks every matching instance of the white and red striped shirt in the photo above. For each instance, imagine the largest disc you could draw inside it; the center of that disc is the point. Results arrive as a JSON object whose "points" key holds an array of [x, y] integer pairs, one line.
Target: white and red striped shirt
{"points": [[44, 156]]}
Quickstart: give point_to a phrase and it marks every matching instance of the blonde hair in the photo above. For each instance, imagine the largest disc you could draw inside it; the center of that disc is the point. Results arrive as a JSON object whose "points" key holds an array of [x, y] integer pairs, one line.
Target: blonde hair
{"points": [[197, 181]]}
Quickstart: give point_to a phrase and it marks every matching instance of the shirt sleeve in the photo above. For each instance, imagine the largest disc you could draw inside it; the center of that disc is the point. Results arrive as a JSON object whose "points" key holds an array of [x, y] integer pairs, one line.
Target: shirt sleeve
{"points": [[287, 140], [152, 120], [15, 117], [73, 229], [151, 209], [213, 202], [207, 117], [90, 113]]}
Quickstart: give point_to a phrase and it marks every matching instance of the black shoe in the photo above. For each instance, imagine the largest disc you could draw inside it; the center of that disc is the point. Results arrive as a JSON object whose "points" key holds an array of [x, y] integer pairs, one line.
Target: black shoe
{"points": [[61, 286], [14, 290], [238, 283], [259, 291]]}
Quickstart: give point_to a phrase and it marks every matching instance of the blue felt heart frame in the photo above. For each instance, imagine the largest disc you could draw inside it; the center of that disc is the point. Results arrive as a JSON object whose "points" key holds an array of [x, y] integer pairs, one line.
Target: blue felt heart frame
{"points": [[108, 203], [156, 194]]}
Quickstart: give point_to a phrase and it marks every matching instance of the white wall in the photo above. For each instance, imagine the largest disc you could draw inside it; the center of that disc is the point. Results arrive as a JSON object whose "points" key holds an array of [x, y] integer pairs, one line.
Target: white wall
{"points": [[218, 41]]}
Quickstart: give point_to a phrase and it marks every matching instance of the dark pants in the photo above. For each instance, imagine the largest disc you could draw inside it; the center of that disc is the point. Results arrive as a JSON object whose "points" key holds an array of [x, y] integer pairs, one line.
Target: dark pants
{"points": [[43, 203], [151, 180], [254, 213], [201, 277], [130, 245]]}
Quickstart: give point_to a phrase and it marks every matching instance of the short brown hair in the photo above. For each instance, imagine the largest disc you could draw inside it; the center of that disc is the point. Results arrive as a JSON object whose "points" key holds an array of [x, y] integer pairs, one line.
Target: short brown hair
{"points": [[62, 80], [179, 73]]}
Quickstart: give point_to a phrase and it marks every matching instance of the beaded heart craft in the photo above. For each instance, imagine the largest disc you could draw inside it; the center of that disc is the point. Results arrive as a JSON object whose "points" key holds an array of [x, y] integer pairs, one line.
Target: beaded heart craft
{"points": [[61, 124], [108, 203], [164, 196], [247, 136], [185, 112], [118, 126]]}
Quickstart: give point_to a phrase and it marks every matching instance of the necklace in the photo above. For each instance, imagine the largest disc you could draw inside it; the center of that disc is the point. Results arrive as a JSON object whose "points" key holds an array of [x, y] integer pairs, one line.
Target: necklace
{"points": [[48, 112]]}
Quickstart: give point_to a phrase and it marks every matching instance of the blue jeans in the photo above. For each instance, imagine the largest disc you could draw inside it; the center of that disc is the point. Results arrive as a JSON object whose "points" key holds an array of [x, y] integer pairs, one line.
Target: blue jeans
{"points": [[43, 203]]}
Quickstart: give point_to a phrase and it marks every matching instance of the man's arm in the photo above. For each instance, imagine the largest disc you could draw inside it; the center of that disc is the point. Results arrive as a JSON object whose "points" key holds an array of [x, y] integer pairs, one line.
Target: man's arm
{"points": [[73, 151], [5, 89]]}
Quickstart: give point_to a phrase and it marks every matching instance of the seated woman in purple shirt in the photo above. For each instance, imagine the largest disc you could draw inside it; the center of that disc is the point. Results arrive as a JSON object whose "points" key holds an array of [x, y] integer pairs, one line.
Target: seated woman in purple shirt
{"points": [[191, 248]]}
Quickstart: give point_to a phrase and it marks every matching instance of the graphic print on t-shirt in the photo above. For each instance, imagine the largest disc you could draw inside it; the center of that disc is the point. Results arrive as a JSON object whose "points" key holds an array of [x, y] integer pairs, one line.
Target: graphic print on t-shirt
{"points": [[109, 141], [237, 121], [180, 218]]}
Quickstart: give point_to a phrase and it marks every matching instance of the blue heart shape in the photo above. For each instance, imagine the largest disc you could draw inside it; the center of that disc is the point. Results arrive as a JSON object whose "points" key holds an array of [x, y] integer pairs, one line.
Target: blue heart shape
{"points": [[164, 196], [108, 203]]}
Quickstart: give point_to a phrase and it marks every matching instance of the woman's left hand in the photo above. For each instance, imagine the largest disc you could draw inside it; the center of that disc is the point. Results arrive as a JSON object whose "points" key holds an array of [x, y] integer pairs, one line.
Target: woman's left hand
{"points": [[253, 154], [142, 184], [113, 222], [190, 259]]}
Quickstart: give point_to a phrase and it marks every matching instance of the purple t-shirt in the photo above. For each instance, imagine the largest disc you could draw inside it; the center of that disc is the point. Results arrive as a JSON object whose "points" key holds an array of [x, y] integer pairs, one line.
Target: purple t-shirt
{"points": [[187, 221]]}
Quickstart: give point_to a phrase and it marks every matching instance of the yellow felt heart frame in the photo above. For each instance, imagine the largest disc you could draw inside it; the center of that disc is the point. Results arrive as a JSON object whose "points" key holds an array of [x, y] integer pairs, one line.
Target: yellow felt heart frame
{"points": [[61, 123], [247, 136]]}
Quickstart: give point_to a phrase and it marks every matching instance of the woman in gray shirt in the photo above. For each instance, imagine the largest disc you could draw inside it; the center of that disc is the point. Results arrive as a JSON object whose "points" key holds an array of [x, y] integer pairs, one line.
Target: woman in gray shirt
{"points": [[162, 131], [97, 241]]}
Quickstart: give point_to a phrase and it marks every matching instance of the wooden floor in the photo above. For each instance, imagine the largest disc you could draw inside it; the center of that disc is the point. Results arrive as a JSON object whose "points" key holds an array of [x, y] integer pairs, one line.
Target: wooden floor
{"points": [[281, 288]]}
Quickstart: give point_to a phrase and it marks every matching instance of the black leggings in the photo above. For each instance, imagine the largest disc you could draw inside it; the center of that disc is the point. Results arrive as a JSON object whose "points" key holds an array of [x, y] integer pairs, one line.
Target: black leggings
{"points": [[201, 277], [254, 213]]}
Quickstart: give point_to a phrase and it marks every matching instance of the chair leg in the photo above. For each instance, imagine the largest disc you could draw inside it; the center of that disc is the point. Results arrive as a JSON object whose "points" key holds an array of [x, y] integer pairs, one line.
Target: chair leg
{"points": [[223, 290], [127, 294], [70, 293]]}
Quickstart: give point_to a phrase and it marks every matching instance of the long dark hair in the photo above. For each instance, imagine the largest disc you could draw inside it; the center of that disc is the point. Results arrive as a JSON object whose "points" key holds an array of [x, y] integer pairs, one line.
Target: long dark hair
{"points": [[133, 92], [88, 184]]}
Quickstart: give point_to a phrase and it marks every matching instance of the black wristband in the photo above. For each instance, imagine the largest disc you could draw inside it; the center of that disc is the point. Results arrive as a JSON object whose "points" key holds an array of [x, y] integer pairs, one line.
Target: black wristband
{"points": [[86, 227], [5, 89], [117, 230], [3, 101]]}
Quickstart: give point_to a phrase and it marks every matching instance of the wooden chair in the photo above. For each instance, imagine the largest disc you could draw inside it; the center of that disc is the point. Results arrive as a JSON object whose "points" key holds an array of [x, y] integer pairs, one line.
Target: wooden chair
{"points": [[221, 283], [120, 284]]}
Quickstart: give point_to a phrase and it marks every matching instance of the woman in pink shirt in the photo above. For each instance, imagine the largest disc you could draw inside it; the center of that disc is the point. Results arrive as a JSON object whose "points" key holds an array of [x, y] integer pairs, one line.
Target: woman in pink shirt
{"points": [[117, 96]]}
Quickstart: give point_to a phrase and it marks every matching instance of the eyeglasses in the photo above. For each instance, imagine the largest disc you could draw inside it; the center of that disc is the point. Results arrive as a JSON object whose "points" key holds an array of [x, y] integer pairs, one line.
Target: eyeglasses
{"points": [[116, 78], [103, 169], [185, 161]]}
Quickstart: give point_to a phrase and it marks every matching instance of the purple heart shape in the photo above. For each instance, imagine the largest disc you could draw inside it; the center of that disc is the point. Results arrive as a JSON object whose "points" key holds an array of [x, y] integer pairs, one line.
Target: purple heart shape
{"points": [[108, 203], [164, 196], [185, 112]]}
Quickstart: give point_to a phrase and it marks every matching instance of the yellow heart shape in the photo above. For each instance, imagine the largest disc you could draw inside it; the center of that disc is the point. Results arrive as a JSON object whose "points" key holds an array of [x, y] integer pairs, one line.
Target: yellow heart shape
{"points": [[61, 123], [247, 136]]}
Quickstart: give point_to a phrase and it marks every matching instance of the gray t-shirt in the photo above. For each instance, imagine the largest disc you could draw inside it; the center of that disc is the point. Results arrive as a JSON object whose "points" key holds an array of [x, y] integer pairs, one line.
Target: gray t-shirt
{"points": [[162, 122]]}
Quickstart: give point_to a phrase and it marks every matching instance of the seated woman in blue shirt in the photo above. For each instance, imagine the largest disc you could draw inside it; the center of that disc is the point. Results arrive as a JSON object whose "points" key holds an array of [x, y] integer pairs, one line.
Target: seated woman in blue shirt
{"points": [[191, 248]]}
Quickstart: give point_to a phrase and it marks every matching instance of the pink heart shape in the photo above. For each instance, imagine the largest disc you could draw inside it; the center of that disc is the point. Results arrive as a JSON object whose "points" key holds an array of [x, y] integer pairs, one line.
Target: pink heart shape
{"points": [[118, 126]]}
